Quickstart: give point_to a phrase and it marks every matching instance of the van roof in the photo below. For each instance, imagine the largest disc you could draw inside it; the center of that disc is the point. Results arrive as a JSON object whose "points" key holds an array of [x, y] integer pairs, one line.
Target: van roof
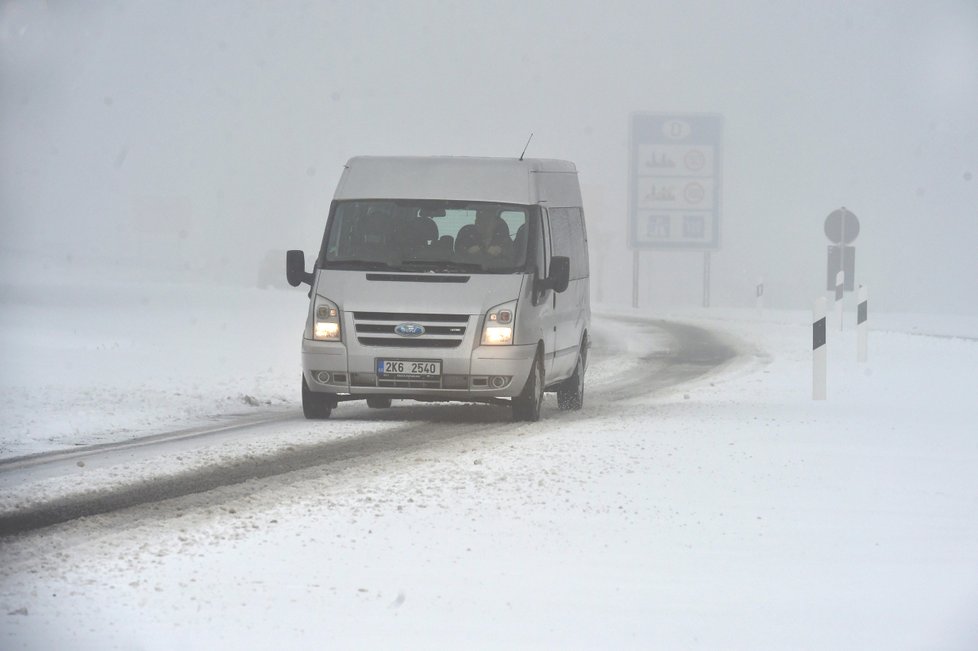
{"points": [[504, 180]]}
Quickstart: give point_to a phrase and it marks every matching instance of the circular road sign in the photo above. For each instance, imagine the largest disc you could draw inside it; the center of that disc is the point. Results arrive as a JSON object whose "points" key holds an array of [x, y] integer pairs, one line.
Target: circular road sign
{"points": [[841, 226]]}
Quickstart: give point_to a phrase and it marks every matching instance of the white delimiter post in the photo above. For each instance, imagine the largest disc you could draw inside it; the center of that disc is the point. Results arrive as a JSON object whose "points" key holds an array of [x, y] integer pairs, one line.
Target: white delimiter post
{"points": [[862, 320], [818, 349], [840, 282], [759, 293]]}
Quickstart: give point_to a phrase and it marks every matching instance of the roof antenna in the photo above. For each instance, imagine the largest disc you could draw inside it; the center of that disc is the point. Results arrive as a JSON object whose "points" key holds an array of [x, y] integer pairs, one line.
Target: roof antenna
{"points": [[526, 145]]}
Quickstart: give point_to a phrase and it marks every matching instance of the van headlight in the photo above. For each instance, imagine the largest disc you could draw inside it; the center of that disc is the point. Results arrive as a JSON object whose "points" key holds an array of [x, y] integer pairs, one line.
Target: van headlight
{"points": [[325, 320], [498, 330]]}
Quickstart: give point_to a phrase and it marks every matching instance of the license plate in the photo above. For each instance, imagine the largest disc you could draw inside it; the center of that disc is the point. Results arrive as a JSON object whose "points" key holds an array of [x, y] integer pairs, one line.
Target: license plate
{"points": [[414, 368]]}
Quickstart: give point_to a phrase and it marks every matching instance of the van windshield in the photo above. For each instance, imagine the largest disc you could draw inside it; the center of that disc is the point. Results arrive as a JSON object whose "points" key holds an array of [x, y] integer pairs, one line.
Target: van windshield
{"points": [[445, 236]]}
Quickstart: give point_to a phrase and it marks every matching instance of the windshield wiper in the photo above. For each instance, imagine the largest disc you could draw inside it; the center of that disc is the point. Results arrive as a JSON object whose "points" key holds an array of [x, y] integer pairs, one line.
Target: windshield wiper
{"points": [[357, 264]]}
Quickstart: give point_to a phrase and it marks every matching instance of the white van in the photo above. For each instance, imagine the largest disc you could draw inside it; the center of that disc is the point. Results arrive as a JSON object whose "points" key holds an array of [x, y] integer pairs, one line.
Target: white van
{"points": [[447, 278]]}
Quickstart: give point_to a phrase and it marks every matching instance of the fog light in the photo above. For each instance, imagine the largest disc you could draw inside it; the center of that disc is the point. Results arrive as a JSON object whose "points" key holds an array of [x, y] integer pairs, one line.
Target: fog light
{"points": [[322, 377], [498, 382]]}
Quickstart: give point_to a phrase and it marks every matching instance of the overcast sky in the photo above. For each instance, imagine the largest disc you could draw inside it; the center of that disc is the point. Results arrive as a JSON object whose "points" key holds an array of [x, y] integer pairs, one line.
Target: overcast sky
{"points": [[200, 135]]}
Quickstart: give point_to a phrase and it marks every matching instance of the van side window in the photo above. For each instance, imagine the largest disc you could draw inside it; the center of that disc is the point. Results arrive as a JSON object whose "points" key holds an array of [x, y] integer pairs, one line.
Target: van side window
{"points": [[579, 233], [570, 239], [560, 234]]}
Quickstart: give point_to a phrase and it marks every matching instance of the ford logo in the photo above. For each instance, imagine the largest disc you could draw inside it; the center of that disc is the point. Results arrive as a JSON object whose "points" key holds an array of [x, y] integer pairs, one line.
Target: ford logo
{"points": [[409, 329]]}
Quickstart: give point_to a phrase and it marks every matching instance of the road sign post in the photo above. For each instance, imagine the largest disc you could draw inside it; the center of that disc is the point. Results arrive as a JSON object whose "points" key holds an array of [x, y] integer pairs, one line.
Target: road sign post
{"points": [[635, 278], [706, 279], [841, 227]]}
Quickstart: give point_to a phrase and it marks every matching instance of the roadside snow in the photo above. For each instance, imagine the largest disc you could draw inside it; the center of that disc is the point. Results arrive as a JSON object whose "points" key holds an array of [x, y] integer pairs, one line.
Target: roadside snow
{"points": [[104, 363], [731, 512]]}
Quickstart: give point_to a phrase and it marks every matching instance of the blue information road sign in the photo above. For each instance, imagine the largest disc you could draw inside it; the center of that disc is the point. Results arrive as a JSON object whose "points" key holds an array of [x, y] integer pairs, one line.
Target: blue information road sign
{"points": [[674, 186]]}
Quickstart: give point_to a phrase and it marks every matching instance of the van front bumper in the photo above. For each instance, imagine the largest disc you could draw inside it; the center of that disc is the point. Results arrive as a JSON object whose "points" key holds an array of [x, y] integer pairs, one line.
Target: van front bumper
{"points": [[474, 374]]}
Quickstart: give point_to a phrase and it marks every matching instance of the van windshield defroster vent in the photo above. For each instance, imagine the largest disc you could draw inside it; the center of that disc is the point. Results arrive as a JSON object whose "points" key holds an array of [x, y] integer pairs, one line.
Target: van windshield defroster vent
{"points": [[403, 317], [417, 278]]}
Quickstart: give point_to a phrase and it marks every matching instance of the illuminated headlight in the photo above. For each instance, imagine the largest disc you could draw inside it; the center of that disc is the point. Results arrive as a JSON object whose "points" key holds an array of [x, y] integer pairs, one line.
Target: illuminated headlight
{"points": [[498, 330], [326, 321]]}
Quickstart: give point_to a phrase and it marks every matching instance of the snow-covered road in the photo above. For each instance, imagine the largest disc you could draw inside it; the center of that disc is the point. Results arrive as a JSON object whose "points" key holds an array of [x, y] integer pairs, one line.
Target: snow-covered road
{"points": [[725, 510], [53, 487]]}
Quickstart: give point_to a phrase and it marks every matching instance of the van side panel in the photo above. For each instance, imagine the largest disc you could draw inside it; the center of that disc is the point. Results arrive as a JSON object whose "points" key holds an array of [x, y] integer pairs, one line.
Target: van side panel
{"points": [[572, 306]]}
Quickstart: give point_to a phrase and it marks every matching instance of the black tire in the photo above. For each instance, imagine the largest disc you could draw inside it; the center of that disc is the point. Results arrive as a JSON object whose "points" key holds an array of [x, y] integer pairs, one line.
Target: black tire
{"points": [[570, 392], [316, 406], [378, 403], [526, 406]]}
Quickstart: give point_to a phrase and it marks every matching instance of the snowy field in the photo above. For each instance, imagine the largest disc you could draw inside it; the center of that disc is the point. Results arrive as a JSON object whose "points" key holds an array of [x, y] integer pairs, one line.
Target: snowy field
{"points": [[728, 512]]}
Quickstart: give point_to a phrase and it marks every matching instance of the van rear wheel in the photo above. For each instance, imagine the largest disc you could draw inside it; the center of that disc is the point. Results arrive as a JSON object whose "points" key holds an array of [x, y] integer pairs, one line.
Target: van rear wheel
{"points": [[316, 406], [570, 392], [526, 406], [378, 403]]}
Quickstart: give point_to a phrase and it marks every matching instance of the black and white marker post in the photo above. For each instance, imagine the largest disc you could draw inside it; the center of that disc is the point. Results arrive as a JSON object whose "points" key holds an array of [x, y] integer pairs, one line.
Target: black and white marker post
{"points": [[840, 285], [759, 293], [862, 324], [818, 349]]}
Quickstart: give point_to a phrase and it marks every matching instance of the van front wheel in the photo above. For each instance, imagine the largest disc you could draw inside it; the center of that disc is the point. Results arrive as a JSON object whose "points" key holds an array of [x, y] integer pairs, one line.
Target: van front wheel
{"points": [[526, 406], [316, 406], [570, 392]]}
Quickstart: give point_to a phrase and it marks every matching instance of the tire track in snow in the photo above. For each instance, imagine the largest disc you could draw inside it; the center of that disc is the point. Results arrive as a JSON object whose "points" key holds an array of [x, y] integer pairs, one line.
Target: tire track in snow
{"points": [[664, 355]]}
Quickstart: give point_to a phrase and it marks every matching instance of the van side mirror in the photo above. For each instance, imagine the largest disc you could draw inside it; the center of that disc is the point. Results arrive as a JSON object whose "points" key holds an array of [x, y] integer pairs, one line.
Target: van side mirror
{"points": [[559, 275], [295, 268]]}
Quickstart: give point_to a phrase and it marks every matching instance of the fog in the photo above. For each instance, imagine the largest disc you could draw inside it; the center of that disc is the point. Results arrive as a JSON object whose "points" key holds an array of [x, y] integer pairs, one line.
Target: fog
{"points": [[184, 140]]}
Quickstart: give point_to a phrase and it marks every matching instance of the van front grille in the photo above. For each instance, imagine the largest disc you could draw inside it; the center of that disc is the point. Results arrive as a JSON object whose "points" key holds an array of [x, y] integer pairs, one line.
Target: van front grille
{"points": [[440, 330]]}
